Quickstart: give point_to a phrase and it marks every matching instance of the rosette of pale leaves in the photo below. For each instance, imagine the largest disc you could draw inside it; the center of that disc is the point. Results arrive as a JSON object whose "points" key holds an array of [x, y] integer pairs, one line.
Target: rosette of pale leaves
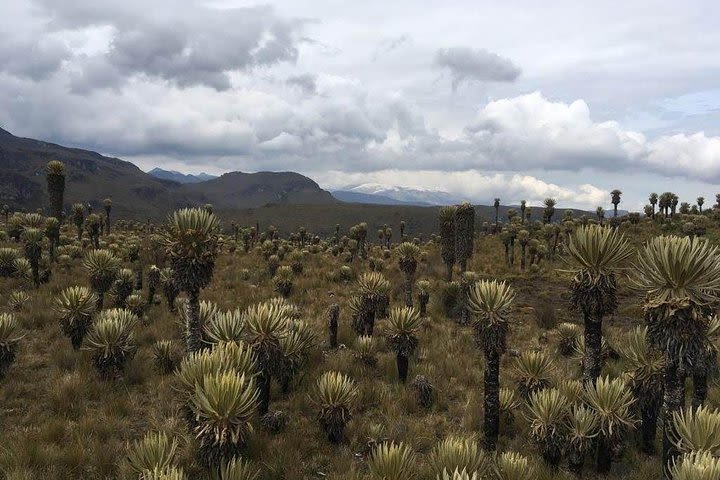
{"points": [[17, 300], [75, 306], [34, 220], [401, 327], [696, 466], [112, 341], [696, 430], [681, 277], [266, 323], [646, 362], [102, 267], [372, 285], [7, 261], [513, 466], [191, 244], [153, 451], [581, 427], [547, 413], [458, 453], [9, 339], [611, 401], [391, 461], [568, 334], [335, 395], [407, 254], [235, 357], [458, 475], [225, 327], [490, 302], [223, 405], [534, 371], [597, 253], [170, 473], [235, 469]]}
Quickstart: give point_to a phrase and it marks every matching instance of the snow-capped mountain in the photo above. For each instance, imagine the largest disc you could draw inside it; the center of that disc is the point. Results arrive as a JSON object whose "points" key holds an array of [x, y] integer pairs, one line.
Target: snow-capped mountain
{"points": [[401, 194]]}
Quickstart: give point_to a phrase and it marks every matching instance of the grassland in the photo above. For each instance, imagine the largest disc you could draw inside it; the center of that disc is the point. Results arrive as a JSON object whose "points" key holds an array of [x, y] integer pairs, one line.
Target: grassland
{"points": [[59, 420]]}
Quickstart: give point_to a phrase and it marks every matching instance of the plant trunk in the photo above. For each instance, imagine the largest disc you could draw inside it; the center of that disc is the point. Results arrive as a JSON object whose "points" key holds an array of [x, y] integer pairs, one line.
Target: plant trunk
{"points": [[463, 265], [151, 294], [552, 457], [35, 267], [333, 325], [56, 187], [491, 406], [423, 299], [576, 462], [672, 402], [522, 257], [448, 275], [139, 278], [604, 455], [649, 425], [409, 277], [592, 363], [464, 294], [194, 329], [263, 381], [700, 388], [402, 367]]}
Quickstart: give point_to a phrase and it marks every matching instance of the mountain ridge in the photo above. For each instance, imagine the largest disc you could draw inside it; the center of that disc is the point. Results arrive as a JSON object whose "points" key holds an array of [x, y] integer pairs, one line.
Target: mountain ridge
{"points": [[91, 177], [180, 177]]}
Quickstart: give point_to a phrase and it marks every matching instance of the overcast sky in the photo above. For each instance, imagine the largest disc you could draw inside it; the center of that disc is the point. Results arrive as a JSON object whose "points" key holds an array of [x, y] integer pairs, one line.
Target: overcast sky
{"points": [[517, 100]]}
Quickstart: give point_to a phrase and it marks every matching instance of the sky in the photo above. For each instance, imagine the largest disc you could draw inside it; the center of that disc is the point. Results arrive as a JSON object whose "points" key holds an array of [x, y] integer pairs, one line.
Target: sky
{"points": [[517, 100]]}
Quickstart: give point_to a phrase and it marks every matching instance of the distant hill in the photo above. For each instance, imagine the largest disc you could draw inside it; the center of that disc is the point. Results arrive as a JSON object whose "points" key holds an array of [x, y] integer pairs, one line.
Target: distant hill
{"points": [[287, 200], [246, 190], [180, 177], [91, 177]]}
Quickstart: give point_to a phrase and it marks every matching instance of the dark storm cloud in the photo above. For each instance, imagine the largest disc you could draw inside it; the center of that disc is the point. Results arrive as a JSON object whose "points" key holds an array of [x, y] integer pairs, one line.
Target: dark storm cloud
{"points": [[306, 82], [476, 64], [184, 43]]}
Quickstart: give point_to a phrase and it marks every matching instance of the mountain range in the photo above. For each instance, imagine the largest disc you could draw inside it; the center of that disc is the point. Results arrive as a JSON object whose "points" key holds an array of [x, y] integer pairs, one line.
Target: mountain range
{"points": [[91, 177], [180, 177], [285, 199], [396, 195]]}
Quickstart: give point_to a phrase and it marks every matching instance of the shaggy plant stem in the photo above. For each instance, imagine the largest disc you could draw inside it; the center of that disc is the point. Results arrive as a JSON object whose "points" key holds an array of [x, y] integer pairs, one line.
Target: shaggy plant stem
{"points": [[649, 425], [194, 329], [592, 362], [672, 402], [700, 388], [263, 382], [491, 419], [604, 454], [408, 287], [402, 367]]}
